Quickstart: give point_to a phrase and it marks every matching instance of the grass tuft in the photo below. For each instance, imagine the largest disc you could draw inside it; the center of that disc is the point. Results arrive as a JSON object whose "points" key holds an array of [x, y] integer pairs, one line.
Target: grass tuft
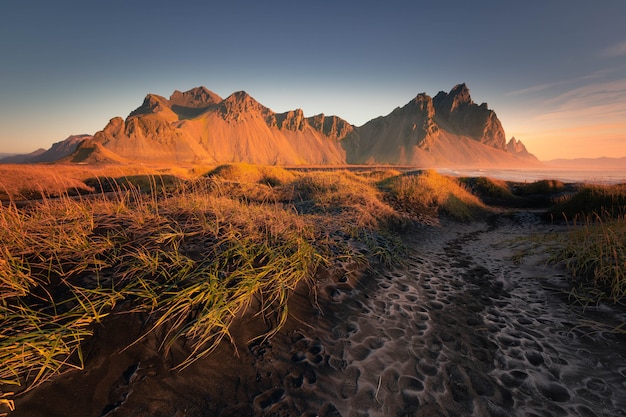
{"points": [[594, 249], [592, 202], [246, 173], [540, 187], [430, 192], [492, 191]]}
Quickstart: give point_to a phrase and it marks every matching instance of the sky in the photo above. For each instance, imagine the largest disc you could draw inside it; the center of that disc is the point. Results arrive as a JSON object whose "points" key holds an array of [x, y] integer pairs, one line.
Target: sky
{"points": [[553, 71]]}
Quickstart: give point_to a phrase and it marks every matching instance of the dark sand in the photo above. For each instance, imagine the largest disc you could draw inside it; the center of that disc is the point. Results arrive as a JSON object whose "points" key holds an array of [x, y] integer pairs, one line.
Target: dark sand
{"points": [[460, 330]]}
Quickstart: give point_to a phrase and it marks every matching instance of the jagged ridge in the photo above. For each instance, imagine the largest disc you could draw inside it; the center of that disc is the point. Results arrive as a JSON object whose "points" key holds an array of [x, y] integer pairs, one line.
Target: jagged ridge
{"points": [[199, 126], [447, 130]]}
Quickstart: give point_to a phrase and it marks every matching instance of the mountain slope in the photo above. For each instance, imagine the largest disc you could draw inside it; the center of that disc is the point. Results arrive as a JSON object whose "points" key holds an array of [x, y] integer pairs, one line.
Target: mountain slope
{"points": [[448, 130], [61, 149], [198, 125]]}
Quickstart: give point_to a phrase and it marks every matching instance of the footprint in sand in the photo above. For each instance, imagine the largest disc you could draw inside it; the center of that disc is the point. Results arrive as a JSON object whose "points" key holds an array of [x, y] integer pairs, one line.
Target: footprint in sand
{"points": [[266, 399], [350, 384]]}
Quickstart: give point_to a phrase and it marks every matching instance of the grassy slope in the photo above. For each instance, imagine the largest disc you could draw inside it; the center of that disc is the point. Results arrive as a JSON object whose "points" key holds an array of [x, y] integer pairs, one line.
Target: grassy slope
{"points": [[194, 252], [193, 256]]}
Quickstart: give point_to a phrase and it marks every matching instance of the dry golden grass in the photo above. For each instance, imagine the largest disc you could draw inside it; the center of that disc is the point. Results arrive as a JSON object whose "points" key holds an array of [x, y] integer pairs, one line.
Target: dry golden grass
{"points": [[592, 202], [193, 248], [595, 255], [246, 173], [594, 250], [490, 188], [193, 256], [24, 182], [431, 193]]}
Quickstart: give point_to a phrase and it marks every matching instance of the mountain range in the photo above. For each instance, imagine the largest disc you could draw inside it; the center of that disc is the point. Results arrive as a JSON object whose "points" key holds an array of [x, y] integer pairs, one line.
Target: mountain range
{"points": [[447, 130]]}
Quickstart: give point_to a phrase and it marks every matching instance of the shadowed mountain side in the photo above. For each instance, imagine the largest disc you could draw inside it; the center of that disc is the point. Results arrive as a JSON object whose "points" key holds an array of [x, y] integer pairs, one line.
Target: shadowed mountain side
{"points": [[194, 102], [457, 113], [61, 149], [449, 130]]}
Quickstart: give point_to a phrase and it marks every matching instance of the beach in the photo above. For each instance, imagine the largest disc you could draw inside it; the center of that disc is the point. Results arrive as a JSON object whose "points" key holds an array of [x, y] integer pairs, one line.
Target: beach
{"points": [[463, 326]]}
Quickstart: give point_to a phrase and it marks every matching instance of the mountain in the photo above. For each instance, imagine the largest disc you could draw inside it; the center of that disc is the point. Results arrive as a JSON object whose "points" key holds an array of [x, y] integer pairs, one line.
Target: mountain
{"points": [[444, 131], [456, 112], [61, 149], [198, 125], [449, 130]]}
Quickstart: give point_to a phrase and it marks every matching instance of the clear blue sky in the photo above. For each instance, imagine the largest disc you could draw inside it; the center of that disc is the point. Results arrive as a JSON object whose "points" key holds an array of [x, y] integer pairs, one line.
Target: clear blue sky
{"points": [[554, 71]]}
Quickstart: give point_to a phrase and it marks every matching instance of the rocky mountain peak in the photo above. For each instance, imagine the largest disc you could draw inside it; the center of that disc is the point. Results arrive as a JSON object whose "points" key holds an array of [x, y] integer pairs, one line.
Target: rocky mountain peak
{"points": [[515, 146], [151, 104], [242, 101], [198, 97], [461, 95], [240, 104], [240, 96], [458, 98], [291, 120], [332, 126], [423, 104], [457, 110]]}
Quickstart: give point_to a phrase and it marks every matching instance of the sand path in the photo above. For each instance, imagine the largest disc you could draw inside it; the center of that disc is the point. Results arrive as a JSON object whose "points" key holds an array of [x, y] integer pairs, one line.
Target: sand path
{"points": [[459, 330]]}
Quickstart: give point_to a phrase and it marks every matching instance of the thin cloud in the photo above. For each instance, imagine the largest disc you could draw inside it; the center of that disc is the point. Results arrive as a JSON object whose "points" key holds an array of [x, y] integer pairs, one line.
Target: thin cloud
{"points": [[540, 87], [600, 100], [613, 51], [594, 93], [532, 89], [580, 115]]}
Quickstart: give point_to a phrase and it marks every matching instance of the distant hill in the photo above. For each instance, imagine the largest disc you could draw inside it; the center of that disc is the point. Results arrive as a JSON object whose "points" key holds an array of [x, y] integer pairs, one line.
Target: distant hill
{"points": [[588, 163], [449, 130], [21, 158], [61, 149], [56, 152]]}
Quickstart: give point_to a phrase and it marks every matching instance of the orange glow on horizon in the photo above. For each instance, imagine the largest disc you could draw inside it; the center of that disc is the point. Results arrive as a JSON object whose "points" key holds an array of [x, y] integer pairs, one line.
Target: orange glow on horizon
{"points": [[589, 141]]}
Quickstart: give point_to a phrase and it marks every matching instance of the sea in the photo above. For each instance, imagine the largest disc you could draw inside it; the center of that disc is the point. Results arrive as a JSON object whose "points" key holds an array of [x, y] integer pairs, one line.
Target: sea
{"points": [[589, 176]]}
